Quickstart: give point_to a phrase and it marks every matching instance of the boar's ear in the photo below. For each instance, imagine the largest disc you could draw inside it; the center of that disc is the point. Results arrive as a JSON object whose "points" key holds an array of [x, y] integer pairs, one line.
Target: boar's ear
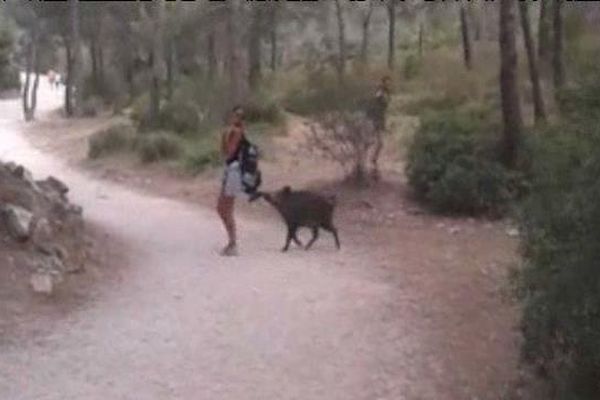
{"points": [[286, 190]]}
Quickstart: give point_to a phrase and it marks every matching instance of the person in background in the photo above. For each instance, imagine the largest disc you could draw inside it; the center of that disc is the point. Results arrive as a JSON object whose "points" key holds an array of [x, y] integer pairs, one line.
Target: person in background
{"points": [[377, 114], [231, 142]]}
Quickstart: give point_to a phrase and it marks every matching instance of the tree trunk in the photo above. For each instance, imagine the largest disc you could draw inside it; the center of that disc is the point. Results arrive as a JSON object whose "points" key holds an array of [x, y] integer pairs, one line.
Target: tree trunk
{"points": [[511, 106], [69, 81], [26, 87], [466, 39], [211, 55], [557, 56], [94, 59], [36, 83], [234, 66], [170, 67], [341, 62], [273, 37], [77, 61], [100, 67], [391, 9], [538, 101], [157, 58], [544, 36], [254, 49], [421, 38], [364, 46]]}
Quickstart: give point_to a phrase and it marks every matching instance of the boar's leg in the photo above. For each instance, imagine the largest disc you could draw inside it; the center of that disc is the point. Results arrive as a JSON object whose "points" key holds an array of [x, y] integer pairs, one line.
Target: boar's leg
{"points": [[290, 236], [315, 235], [329, 227], [297, 241]]}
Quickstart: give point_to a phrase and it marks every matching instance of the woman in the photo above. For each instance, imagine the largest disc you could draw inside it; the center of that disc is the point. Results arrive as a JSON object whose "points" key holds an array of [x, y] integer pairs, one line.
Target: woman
{"points": [[232, 178]]}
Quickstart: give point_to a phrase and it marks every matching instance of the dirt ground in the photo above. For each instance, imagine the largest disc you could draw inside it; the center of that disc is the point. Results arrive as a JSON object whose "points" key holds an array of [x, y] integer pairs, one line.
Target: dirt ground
{"points": [[451, 273]]}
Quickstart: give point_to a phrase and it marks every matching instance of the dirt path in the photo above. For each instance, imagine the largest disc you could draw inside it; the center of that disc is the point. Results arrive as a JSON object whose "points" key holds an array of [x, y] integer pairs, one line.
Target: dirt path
{"points": [[183, 323]]}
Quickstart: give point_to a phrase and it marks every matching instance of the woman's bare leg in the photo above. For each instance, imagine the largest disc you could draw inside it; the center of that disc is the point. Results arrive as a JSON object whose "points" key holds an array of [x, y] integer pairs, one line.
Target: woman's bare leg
{"points": [[225, 208]]}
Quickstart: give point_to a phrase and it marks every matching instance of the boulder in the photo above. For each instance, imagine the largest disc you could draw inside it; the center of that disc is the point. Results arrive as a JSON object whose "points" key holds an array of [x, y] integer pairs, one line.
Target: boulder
{"points": [[42, 282], [42, 231], [51, 184], [18, 221]]}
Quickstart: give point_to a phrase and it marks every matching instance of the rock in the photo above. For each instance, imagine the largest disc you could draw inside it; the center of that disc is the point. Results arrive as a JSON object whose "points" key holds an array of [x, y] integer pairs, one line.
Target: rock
{"points": [[25, 175], [18, 221], [42, 232], [42, 282], [74, 209], [53, 184]]}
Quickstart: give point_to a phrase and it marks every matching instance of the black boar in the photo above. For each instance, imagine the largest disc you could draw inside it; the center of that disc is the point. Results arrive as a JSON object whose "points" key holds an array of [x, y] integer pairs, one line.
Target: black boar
{"points": [[303, 209]]}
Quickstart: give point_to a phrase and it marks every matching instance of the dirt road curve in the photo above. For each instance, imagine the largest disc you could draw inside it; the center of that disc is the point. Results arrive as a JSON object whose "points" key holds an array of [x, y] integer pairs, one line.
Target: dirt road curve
{"points": [[184, 323]]}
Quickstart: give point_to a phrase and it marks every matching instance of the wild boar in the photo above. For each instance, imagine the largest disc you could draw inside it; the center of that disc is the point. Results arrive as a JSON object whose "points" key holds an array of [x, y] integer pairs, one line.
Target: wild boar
{"points": [[303, 209]]}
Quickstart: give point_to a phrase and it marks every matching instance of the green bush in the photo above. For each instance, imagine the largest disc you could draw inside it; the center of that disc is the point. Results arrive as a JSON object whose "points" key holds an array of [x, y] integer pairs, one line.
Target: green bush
{"points": [[9, 75], [112, 140], [451, 166], [262, 108], [559, 282], [201, 155], [158, 146], [411, 67], [179, 116], [322, 93]]}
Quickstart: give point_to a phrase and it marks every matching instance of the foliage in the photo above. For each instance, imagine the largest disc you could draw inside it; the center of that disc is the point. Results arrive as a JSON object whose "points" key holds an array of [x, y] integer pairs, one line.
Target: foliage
{"points": [[9, 74], [158, 146], [322, 93], [344, 138], [560, 280], [201, 155], [115, 139], [451, 166]]}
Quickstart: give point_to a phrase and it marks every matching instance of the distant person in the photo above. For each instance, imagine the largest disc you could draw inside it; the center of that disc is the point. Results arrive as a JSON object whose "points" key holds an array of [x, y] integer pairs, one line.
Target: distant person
{"points": [[231, 146], [377, 114], [51, 78]]}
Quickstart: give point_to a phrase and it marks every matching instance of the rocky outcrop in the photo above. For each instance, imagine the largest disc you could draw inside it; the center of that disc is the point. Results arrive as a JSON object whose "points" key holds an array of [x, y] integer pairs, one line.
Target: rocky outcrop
{"points": [[38, 222]]}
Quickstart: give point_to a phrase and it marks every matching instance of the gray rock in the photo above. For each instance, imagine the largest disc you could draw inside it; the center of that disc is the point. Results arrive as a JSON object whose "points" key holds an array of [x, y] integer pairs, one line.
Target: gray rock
{"points": [[53, 184], [42, 282], [18, 221], [42, 232]]}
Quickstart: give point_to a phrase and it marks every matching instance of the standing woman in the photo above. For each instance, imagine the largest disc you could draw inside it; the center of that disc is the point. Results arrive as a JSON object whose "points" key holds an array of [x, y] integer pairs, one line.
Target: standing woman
{"points": [[232, 178]]}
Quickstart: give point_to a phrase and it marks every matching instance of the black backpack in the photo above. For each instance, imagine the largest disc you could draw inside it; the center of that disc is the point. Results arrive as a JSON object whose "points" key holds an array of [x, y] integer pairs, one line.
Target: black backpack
{"points": [[248, 157]]}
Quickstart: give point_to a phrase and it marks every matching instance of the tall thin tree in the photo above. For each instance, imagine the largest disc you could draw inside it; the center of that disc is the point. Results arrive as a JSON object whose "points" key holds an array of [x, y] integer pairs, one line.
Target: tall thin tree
{"points": [[544, 36], [391, 11], [341, 61], [538, 100], [511, 105], [557, 54], [466, 37]]}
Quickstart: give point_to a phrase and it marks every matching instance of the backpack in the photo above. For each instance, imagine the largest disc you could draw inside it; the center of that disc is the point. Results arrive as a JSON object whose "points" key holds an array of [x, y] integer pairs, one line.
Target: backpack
{"points": [[248, 157]]}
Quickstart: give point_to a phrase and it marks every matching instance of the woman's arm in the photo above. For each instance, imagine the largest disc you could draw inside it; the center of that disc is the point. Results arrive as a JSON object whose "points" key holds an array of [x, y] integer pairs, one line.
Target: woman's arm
{"points": [[230, 142]]}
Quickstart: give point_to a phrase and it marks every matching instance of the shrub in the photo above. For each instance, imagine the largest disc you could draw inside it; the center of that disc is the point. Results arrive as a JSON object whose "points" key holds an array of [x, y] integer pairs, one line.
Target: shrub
{"points": [[158, 146], [451, 166], [559, 280], [112, 140], [201, 155], [262, 108], [179, 116], [92, 106], [325, 94], [344, 138], [9, 75], [411, 67]]}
